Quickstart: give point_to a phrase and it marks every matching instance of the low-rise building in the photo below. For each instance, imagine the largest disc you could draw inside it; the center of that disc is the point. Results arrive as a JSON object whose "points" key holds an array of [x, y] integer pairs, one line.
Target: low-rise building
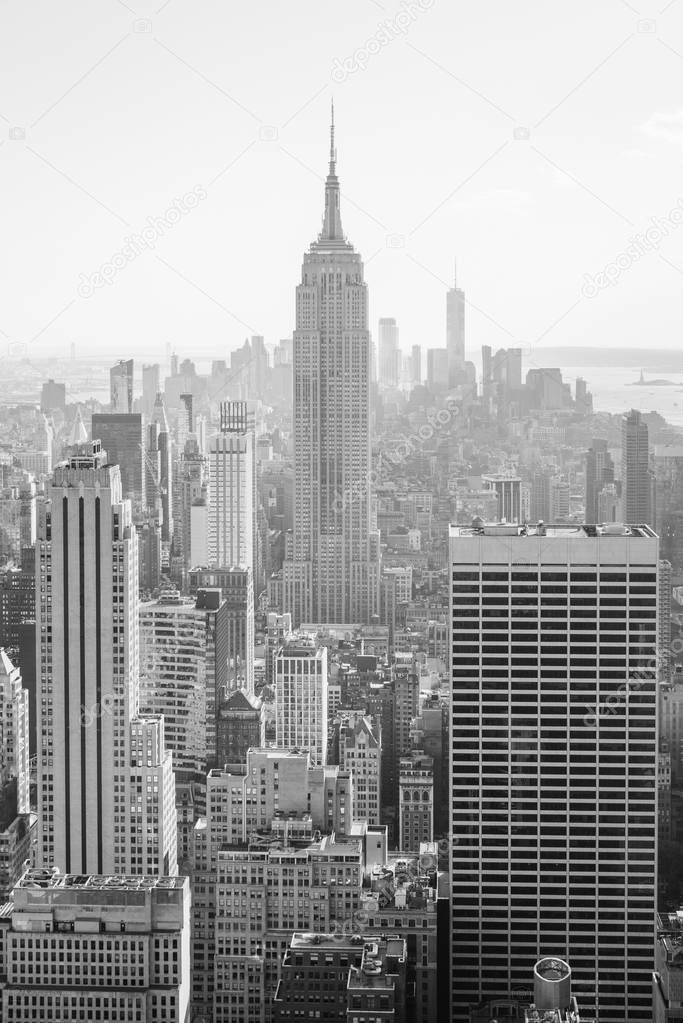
{"points": [[354, 979]]}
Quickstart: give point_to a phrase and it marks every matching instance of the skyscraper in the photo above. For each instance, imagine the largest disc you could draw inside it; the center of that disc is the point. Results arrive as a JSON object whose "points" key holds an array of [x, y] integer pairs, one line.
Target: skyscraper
{"points": [[121, 387], [455, 332], [599, 474], [331, 572], [668, 468], [189, 508], [553, 761], [237, 590], [151, 385], [635, 469], [416, 365], [16, 821], [184, 673], [122, 439], [105, 782], [389, 354], [238, 417], [231, 489], [163, 484]]}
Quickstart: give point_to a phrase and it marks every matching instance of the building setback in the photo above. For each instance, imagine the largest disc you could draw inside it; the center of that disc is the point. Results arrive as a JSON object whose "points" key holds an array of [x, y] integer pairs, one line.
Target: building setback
{"points": [[331, 571]]}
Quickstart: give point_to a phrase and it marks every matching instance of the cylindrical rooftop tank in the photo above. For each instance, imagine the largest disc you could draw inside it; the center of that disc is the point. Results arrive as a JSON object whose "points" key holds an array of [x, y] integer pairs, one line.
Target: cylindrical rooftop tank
{"points": [[552, 984]]}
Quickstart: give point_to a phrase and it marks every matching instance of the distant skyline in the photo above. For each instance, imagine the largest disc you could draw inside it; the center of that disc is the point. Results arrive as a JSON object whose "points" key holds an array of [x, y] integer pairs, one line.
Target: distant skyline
{"points": [[534, 145]]}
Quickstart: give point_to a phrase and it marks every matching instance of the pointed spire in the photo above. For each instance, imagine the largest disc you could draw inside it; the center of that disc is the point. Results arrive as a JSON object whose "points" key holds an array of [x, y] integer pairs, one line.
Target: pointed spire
{"points": [[159, 413], [333, 151], [332, 228]]}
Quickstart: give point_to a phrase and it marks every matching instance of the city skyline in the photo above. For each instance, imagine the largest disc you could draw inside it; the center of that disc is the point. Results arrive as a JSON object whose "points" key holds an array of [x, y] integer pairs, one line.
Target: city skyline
{"points": [[341, 611], [538, 195]]}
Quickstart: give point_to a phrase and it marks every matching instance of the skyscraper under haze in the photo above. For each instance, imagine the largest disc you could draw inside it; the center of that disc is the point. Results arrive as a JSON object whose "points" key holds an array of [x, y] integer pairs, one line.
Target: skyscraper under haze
{"points": [[599, 474], [121, 387], [122, 439], [163, 484], [389, 354], [554, 761], [105, 781], [635, 469], [331, 571], [455, 333]]}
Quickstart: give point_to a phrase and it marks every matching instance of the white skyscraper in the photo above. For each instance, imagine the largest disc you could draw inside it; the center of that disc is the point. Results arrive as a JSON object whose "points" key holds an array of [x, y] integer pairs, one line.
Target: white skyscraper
{"points": [[331, 572], [301, 697], [554, 761], [232, 489], [105, 782]]}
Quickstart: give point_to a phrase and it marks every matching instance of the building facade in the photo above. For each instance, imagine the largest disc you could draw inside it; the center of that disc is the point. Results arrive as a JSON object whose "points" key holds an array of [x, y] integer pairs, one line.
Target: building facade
{"points": [[554, 673], [301, 697], [96, 948], [105, 781], [331, 571]]}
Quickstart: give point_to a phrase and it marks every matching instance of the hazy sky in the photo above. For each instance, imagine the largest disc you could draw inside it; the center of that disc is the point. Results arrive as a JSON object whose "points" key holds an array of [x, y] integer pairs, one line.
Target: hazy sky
{"points": [[531, 140]]}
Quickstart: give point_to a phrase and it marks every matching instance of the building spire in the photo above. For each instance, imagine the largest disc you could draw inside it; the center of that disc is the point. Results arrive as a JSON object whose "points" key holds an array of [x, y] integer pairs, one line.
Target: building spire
{"points": [[333, 152], [332, 228]]}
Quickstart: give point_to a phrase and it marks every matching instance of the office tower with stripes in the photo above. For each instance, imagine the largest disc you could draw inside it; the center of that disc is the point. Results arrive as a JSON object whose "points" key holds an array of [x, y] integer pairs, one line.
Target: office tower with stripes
{"points": [[331, 570], [554, 761], [232, 489], [238, 418], [105, 782]]}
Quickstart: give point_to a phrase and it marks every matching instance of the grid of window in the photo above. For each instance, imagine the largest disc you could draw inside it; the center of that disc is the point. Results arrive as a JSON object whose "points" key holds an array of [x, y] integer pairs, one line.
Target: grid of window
{"points": [[554, 779]]}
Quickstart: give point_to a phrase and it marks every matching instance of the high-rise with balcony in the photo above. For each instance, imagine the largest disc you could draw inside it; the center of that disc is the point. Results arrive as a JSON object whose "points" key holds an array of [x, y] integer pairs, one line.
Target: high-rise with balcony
{"points": [[105, 781], [553, 761], [331, 571]]}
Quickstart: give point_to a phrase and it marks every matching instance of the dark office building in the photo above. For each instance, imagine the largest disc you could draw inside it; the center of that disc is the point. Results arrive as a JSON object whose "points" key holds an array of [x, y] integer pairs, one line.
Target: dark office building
{"points": [[121, 436]]}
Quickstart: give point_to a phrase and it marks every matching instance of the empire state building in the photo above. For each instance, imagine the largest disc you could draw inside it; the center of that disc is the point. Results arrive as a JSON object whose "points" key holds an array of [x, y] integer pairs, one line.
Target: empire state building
{"points": [[331, 571]]}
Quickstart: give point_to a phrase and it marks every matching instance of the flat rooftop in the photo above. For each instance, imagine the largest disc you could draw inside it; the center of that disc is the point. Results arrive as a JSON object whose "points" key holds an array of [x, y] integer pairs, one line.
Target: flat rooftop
{"points": [[47, 879], [564, 531]]}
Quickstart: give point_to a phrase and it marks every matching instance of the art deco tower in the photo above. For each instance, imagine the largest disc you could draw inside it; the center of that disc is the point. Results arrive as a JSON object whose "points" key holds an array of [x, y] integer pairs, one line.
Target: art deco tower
{"points": [[105, 780], [331, 573]]}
